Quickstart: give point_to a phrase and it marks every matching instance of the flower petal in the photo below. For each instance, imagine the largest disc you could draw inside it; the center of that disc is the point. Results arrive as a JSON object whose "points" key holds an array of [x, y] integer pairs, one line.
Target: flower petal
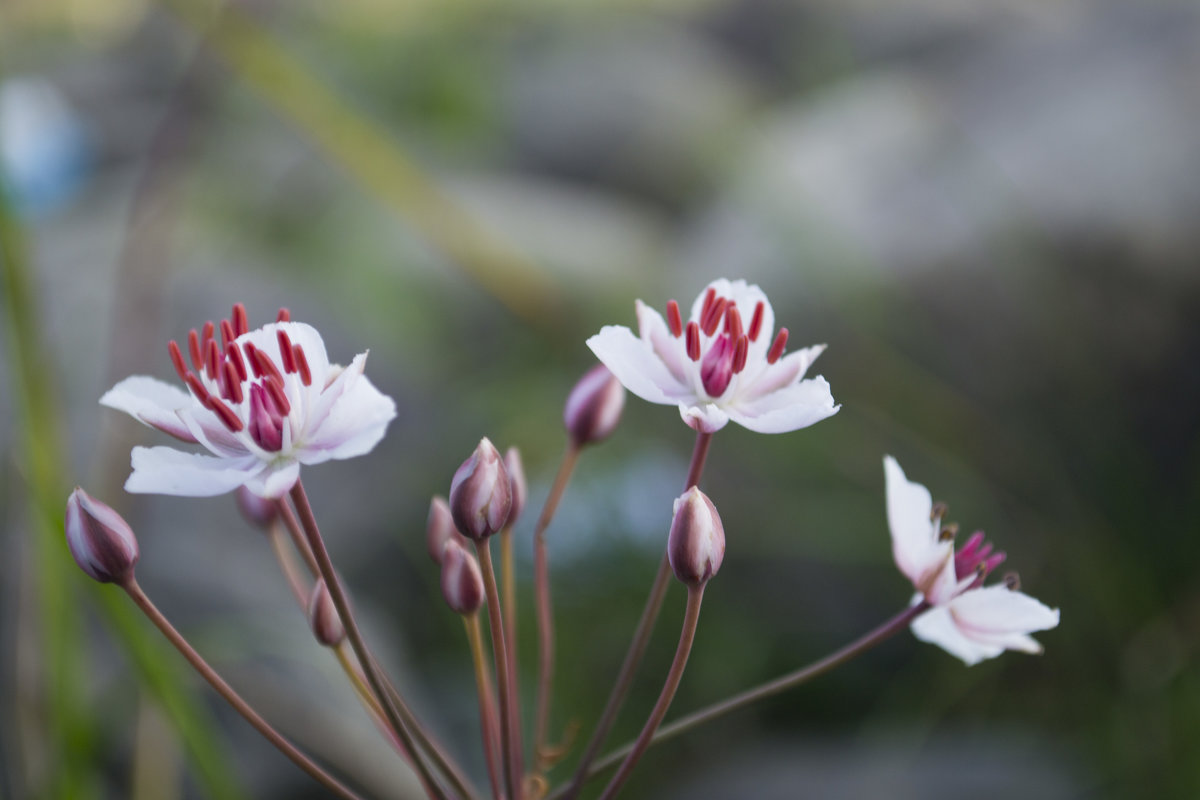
{"points": [[275, 481], [164, 470], [654, 331], [637, 367], [787, 409], [703, 417], [916, 546], [152, 402], [936, 626], [355, 422], [212, 433], [772, 377], [998, 610], [266, 339]]}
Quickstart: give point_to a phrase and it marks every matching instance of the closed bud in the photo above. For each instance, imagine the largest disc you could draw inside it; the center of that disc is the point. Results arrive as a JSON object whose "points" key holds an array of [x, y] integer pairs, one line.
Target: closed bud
{"points": [[481, 494], [323, 617], [462, 582], [696, 545], [439, 528], [516, 477], [101, 542], [594, 406], [258, 511]]}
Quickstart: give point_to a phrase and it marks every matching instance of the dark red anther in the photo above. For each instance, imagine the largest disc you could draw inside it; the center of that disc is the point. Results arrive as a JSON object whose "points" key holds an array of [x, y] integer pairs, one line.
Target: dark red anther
{"points": [[756, 321], [276, 393], [733, 322], [198, 389], [709, 297], [206, 336], [709, 323], [194, 350], [233, 383], [693, 341], [267, 366], [212, 360], [227, 334], [283, 316], [302, 365], [777, 346], [240, 322], [233, 354], [252, 359], [232, 421], [674, 319], [177, 359], [739, 354], [285, 351]]}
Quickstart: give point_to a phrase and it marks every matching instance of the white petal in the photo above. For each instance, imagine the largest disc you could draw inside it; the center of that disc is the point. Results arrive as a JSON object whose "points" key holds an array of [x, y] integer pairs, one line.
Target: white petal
{"points": [[275, 481], [152, 402], [916, 547], [212, 433], [671, 351], [636, 366], [723, 289], [997, 610], [936, 626], [703, 417], [788, 409], [354, 424], [163, 470], [266, 339], [772, 377]]}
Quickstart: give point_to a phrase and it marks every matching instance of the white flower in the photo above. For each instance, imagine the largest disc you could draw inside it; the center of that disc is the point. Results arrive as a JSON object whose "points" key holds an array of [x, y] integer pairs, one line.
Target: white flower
{"points": [[262, 402], [967, 619], [721, 364]]}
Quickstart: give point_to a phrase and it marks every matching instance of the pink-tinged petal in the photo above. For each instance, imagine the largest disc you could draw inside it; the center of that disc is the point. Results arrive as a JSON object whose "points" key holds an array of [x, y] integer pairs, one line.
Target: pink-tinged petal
{"points": [[208, 430], [936, 626], [153, 403], [163, 470], [998, 611], [636, 366], [916, 546], [266, 339], [275, 481], [704, 417], [788, 409], [654, 331], [772, 377], [341, 380], [747, 296], [353, 425]]}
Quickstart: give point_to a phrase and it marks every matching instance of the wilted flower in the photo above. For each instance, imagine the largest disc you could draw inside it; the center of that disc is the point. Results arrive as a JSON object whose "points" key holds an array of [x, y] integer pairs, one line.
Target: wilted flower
{"points": [[696, 544], [263, 402], [593, 407], [481, 493], [100, 540], [722, 364]]}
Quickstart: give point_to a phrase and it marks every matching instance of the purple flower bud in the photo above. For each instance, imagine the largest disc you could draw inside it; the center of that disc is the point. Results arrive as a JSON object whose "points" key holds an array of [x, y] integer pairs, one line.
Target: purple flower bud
{"points": [[323, 617], [594, 406], [481, 493], [462, 582], [258, 511], [516, 476], [101, 542], [696, 545], [439, 528]]}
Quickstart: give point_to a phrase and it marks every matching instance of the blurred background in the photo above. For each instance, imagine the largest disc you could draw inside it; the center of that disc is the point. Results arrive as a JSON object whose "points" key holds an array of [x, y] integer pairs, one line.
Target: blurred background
{"points": [[989, 211]]}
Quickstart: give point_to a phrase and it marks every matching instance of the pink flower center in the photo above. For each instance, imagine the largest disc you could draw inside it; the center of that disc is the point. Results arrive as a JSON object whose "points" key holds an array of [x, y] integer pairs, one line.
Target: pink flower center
{"points": [[976, 556]]}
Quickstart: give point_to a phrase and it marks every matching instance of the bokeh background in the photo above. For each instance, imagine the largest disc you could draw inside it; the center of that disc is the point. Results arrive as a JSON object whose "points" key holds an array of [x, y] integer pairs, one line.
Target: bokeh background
{"points": [[988, 210]]}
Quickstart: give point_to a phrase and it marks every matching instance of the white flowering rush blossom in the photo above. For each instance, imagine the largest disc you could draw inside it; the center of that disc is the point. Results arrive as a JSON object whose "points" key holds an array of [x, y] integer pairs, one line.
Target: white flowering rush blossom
{"points": [[261, 402], [967, 619], [723, 364]]}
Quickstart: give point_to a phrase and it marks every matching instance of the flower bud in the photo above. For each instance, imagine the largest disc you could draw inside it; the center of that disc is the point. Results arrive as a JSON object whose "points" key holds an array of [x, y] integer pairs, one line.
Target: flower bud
{"points": [[101, 542], [481, 494], [696, 545], [258, 511], [439, 528], [516, 476], [323, 617], [594, 406], [462, 582]]}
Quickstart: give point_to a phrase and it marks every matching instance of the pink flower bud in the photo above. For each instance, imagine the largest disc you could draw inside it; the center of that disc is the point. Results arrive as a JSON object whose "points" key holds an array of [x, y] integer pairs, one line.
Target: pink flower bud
{"points": [[258, 511], [462, 582], [516, 476], [696, 545], [481, 493], [439, 528], [594, 406], [101, 542], [323, 617]]}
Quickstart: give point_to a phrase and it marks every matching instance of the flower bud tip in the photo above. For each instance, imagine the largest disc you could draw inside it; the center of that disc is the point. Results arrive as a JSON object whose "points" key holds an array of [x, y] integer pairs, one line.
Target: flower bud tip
{"points": [[481, 493], [323, 617], [462, 581], [696, 546], [516, 477], [101, 542], [594, 406]]}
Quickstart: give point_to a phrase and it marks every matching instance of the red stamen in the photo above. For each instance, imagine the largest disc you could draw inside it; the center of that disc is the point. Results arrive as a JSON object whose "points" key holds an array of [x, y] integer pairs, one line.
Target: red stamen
{"points": [[194, 349], [222, 382], [177, 359], [693, 341], [233, 382], [756, 321], [674, 319], [709, 297], [232, 421], [733, 322], [739, 354], [206, 337], [213, 360], [777, 346], [198, 389], [283, 316], [233, 354], [227, 334], [240, 323], [275, 390], [267, 366], [285, 351], [709, 324], [252, 359], [302, 365]]}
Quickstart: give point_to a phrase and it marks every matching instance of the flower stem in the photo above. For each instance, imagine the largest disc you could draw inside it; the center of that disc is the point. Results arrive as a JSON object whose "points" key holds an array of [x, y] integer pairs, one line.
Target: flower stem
{"points": [[143, 602], [770, 689], [325, 567], [287, 564], [686, 636], [297, 534], [545, 615], [509, 585], [487, 703], [511, 758], [641, 636]]}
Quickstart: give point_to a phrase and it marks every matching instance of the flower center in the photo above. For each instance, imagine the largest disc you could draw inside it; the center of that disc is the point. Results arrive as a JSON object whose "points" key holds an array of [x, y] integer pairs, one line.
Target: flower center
{"points": [[976, 556], [241, 384]]}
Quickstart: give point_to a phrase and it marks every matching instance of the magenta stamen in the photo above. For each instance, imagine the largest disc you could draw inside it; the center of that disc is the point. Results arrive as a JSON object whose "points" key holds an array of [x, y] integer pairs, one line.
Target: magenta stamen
{"points": [[227, 334], [674, 319], [739, 354], [777, 346], [269, 370], [234, 383], [285, 352], [252, 359], [241, 324], [233, 354], [194, 350], [266, 427], [709, 324], [995, 560], [276, 393], [693, 341], [716, 371], [232, 421], [283, 316], [302, 365], [177, 359], [212, 360], [756, 321], [198, 389]]}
